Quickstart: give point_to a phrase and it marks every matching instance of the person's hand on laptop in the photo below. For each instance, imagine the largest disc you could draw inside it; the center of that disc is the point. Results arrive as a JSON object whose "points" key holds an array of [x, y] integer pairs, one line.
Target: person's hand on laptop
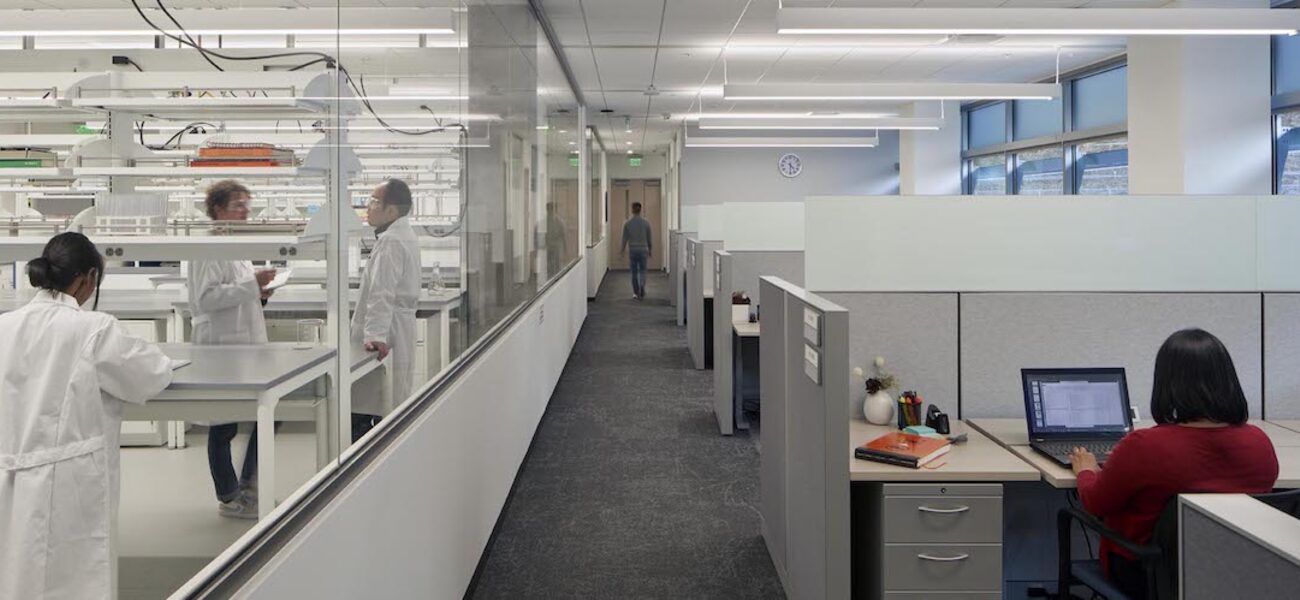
{"points": [[1082, 460]]}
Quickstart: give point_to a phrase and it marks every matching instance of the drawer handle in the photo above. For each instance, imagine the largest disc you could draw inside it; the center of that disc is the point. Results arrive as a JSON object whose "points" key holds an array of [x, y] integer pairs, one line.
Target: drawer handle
{"points": [[931, 557], [943, 511]]}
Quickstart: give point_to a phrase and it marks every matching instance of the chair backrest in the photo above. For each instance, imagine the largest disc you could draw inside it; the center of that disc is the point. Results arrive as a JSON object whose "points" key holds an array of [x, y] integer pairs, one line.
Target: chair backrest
{"points": [[1287, 501]]}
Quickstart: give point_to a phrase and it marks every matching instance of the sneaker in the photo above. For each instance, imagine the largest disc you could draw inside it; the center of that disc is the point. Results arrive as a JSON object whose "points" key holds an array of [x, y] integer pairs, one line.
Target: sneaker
{"points": [[239, 508], [249, 492]]}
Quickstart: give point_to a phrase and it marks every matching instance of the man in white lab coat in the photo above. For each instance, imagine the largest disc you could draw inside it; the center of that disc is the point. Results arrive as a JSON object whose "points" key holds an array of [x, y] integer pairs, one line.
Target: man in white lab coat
{"points": [[64, 374], [226, 298], [390, 290]]}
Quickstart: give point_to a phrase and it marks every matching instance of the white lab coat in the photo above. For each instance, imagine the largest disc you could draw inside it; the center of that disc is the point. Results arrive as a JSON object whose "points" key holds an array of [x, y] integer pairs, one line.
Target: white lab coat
{"points": [[64, 373], [390, 292], [225, 304]]}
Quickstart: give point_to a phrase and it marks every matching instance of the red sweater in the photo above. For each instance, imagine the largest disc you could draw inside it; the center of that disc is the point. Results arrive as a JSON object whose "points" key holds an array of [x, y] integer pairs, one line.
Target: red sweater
{"points": [[1151, 466]]}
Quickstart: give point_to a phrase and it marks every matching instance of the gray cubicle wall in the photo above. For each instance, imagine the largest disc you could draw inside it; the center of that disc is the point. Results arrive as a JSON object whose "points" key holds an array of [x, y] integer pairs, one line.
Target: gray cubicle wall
{"points": [[1233, 546], [741, 271], [750, 265], [816, 423], [772, 435], [1003, 333], [677, 272], [723, 406], [1282, 356], [699, 278]]}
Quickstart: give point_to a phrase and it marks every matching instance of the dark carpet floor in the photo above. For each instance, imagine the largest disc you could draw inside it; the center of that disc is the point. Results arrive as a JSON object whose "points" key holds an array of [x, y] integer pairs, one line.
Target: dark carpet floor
{"points": [[629, 491]]}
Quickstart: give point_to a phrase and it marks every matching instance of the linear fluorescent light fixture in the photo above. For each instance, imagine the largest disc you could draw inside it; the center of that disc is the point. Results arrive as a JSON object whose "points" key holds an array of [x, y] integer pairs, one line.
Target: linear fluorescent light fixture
{"points": [[232, 21], [785, 115], [781, 142], [1036, 21], [892, 91], [899, 123]]}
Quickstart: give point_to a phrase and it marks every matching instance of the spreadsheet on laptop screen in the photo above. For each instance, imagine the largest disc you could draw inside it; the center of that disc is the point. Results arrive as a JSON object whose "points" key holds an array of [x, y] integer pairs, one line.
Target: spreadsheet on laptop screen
{"points": [[1067, 404]]}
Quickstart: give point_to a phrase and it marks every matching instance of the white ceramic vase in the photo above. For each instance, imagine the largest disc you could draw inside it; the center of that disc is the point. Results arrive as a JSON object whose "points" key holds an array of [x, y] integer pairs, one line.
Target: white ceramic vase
{"points": [[878, 408]]}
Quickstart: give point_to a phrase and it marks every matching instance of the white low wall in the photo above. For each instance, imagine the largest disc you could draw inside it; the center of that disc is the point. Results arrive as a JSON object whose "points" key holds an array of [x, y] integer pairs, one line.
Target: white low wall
{"points": [[597, 266], [415, 524], [1052, 244]]}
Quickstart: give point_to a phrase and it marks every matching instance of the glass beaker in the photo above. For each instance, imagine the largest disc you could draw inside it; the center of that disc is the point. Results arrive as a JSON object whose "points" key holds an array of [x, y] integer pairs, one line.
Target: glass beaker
{"points": [[309, 333]]}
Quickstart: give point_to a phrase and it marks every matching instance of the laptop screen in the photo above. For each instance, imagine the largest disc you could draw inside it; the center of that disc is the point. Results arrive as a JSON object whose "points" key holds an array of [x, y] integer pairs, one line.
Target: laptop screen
{"points": [[1076, 401]]}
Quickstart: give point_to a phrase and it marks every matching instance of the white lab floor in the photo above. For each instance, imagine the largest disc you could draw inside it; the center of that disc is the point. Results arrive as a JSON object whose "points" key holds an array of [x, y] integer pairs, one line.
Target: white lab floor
{"points": [[168, 522]]}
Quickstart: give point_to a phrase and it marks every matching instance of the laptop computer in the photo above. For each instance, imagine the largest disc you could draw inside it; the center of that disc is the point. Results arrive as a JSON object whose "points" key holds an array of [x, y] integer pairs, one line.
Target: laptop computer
{"points": [[1065, 408]]}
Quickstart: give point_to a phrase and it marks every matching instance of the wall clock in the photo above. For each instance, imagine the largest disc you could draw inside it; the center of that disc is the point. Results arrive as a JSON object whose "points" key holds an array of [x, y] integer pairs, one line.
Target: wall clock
{"points": [[790, 165]]}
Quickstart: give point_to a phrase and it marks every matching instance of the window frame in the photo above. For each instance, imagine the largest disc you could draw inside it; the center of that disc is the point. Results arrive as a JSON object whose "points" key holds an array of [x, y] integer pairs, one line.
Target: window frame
{"points": [[1282, 103], [1069, 139]]}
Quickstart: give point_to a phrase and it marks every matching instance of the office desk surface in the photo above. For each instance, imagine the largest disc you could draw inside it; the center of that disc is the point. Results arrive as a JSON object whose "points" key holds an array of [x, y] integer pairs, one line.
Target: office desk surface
{"points": [[745, 329], [123, 304], [978, 459], [1011, 434], [244, 368]]}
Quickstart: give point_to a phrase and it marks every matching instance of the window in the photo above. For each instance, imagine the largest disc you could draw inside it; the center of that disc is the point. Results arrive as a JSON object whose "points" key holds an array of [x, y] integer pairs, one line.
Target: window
{"points": [[1101, 100], [1101, 167], [1287, 170], [988, 175], [1036, 118], [1286, 64], [1040, 172], [987, 126]]}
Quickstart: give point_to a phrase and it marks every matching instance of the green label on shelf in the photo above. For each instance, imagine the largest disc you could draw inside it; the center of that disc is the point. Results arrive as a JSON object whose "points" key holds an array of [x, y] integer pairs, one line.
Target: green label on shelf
{"points": [[84, 130], [21, 163]]}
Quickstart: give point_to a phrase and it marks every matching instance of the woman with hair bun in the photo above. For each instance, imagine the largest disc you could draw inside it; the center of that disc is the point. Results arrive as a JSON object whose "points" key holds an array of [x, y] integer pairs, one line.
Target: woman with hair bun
{"points": [[64, 374]]}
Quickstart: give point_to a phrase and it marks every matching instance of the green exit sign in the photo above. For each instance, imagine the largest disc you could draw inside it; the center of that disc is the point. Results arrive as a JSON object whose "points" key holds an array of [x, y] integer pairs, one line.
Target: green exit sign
{"points": [[634, 161], [573, 161]]}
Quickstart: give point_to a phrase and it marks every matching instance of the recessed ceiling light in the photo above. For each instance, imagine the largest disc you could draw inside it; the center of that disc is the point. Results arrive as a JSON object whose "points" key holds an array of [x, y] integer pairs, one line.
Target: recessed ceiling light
{"points": [[893, 91], [1034, 21]]}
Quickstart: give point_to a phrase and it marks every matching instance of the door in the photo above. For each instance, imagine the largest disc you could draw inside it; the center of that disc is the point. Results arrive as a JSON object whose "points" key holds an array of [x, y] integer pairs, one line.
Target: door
{"points": [[623, 193]]}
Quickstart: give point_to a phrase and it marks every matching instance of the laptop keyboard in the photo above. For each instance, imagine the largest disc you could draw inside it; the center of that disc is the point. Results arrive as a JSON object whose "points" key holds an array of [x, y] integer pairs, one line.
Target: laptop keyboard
{"points": [[1062, 450]]}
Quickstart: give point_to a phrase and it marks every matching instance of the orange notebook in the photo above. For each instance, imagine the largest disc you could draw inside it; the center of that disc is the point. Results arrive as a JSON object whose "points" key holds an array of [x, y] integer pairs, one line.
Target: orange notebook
{"points": [[903, 449]]}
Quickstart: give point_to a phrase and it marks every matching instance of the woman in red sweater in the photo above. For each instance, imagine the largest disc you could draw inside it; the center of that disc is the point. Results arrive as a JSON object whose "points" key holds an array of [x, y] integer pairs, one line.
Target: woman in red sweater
{"points": [[1201, 444]]}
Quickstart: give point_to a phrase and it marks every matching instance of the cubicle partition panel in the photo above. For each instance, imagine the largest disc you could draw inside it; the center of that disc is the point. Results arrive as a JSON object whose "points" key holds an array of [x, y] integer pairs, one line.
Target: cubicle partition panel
{"points": [[677, 273], [699, 287], [772, 350], [1003, 333], [817, 436], [916, 335], [723, 374], [674, 272], [1281, 356], [1234, 546], [750, 265]]}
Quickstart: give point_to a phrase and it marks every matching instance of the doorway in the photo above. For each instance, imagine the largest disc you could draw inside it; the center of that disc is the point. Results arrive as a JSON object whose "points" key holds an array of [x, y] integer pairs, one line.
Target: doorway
{"points": [[622, 194]]}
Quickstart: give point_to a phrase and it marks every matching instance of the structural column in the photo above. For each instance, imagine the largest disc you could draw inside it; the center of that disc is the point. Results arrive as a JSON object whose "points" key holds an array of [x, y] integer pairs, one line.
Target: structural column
{"points": [[1199, 113], [929, 162]]}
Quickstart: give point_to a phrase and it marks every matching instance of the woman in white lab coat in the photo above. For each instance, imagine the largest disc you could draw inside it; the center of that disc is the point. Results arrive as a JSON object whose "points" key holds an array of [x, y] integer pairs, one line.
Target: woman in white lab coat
{"points": [[226, 298], [64, 373], [390, 290]]}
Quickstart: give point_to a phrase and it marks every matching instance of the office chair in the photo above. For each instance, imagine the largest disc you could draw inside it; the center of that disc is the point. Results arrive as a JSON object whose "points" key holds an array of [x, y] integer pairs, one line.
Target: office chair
{"points": [[1159, 558]]}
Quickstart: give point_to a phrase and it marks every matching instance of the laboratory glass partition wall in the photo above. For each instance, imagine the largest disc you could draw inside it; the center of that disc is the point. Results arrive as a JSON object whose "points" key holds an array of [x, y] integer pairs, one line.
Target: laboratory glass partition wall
{"points": [[199, 146], [1076, 144]]}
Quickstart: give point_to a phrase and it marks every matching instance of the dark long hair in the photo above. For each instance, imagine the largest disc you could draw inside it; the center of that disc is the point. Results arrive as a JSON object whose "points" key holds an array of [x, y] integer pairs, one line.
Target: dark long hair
{"points": [[1195, 379], [66, 256]]}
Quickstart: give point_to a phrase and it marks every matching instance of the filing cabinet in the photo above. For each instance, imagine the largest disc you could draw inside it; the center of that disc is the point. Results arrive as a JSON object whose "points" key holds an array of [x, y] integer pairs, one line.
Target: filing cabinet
{"points": [[914, 541]]}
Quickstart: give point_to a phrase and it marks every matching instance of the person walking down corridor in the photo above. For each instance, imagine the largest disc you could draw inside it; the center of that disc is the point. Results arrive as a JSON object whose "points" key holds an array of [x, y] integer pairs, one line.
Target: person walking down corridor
{"points": [[637, 236]]}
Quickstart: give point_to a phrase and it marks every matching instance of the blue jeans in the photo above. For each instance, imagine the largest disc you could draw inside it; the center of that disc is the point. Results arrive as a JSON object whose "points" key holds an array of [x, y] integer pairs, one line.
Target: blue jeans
{"points": [[225, 481], [637, 261]]}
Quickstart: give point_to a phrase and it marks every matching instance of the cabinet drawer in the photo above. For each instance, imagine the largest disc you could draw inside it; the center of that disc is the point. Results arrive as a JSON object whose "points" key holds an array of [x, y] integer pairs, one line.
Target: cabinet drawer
{"points": [[942, 489], [955, 567], [943, 596], [929, 520]]}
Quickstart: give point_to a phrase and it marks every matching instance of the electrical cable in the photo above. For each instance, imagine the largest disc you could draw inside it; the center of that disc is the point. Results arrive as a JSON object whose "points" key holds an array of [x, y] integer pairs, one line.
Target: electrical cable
{"points": [[1070, 498], [319, 55], [134, 64]]}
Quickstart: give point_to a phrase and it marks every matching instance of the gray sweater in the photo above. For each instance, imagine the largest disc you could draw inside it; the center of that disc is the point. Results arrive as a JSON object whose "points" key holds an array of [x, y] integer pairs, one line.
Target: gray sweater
{"points": [[637, 234]]}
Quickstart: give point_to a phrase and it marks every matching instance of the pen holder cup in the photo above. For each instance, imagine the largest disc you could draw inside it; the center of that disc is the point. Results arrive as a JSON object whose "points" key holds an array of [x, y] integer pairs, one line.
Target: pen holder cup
{"points": [[309, 333]]}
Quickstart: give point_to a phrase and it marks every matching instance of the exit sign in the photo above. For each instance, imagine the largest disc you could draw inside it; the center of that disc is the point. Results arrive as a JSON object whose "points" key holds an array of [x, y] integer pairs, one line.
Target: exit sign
{"points": [[634, 161], [573, 161]]}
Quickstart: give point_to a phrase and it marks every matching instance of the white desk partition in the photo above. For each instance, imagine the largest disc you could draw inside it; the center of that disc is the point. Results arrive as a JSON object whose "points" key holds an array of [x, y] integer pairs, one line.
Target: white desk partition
{"points": [[1057, 243], [1234, 546], [723, 377], [772, 435], [770, 226]]}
